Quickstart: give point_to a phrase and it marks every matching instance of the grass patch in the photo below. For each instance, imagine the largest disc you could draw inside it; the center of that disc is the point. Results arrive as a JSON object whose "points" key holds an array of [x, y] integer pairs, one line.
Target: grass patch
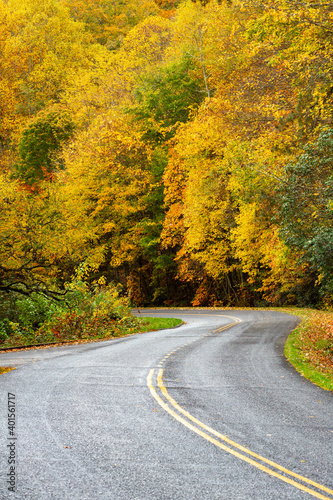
{"points": [[152, 324], [309, 348], [5, 369]]}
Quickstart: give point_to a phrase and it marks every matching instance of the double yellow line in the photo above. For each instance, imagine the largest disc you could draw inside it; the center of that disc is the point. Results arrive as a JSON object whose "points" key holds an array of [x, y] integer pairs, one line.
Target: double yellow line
{"points": [[237, 450]]}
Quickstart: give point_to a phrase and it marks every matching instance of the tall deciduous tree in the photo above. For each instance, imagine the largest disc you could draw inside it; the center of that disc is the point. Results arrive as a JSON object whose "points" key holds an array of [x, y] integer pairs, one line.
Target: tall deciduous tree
{"points": [[106, 175], [39, 246]]}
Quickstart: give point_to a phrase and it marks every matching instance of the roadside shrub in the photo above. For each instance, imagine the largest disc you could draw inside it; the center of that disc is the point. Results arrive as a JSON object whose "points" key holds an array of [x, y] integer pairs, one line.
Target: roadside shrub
{"points": [[99, 313], [87, 310]]}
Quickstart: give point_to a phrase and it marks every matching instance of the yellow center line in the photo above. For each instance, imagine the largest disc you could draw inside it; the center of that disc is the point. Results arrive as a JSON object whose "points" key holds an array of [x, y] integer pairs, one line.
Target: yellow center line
{"points": [[187, 424], [240, 447], [237, 320], [225, 327]]}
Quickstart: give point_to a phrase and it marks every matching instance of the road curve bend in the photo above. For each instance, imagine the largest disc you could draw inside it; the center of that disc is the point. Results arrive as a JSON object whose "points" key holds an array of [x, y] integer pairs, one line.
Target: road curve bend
{"points": [[209, 410]]}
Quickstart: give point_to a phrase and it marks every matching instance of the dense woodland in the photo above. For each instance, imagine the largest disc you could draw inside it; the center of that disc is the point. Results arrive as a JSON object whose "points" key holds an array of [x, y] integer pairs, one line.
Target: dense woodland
{"points": [[181, 149]]}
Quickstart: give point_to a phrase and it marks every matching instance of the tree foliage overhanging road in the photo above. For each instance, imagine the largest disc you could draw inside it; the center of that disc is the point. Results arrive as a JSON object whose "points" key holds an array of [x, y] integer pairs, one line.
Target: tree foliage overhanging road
{"points": [[184, 149]]}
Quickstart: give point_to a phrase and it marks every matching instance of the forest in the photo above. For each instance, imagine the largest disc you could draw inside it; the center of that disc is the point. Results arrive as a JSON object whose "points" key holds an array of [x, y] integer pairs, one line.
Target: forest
{"points": [[177, 153]]}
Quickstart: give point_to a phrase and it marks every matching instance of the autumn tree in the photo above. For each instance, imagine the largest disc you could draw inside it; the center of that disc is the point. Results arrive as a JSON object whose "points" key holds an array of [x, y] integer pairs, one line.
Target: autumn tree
{"points": [[207, 214], [300, 34], [106, 176], [39, 250]]}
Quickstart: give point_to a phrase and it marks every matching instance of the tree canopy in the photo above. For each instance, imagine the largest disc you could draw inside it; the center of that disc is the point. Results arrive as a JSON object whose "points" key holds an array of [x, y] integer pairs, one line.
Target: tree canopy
{"points": [[183, 149]]}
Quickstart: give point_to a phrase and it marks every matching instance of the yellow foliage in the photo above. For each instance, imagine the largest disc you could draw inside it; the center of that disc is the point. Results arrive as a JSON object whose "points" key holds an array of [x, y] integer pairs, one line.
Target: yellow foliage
{"points": [[41, 47], [105, 185]]}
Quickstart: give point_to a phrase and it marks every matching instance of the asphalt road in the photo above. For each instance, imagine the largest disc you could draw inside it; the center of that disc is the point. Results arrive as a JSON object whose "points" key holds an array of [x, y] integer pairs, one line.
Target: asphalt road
{"points": [[205, 411]]}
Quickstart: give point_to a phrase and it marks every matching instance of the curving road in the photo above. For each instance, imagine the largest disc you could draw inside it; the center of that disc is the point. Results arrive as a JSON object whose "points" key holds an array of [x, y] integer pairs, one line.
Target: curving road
{"points": [[210, 410]]}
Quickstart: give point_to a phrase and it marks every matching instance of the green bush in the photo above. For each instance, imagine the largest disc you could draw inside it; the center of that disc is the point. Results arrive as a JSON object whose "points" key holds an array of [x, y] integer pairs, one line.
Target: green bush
{"points": [[33, 311]]}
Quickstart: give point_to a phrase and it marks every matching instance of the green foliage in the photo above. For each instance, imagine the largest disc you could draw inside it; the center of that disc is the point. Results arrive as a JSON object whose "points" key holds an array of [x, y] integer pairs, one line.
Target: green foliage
{"points": [[306, 215], [151, 324], [5, 329], [90, 310], [21, 316], [9, 329], [151, 225], [166, 98], [33, 311], [38, 146]]}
